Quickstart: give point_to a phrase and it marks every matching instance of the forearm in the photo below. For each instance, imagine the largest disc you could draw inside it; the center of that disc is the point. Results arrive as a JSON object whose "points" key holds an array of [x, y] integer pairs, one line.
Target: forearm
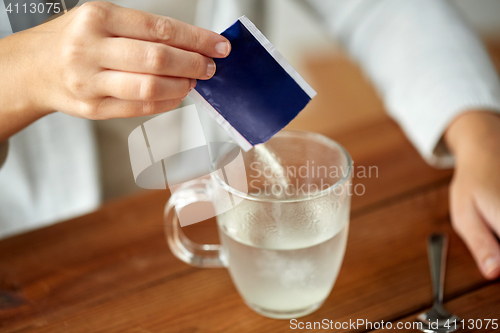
{"points": [[19, 105], [474, 139], [472, 130]]}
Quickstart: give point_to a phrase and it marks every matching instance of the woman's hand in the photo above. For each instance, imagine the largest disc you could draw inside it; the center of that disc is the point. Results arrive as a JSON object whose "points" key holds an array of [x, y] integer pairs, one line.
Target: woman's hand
{"points": [[104, 61], [474, 138]]}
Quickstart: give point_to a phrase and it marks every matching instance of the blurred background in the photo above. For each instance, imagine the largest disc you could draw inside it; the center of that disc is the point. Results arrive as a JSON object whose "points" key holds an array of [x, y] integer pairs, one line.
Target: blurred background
{"points": [[297, 34]]}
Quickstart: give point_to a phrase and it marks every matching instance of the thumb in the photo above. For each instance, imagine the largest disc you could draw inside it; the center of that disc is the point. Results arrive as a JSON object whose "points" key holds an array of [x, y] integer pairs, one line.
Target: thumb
{"points": [[476, 234]]}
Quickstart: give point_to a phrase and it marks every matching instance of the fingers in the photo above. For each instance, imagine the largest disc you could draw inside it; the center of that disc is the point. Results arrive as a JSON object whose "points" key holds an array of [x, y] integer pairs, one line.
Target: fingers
{"points": [[488, 203], [141, 87], [154, 58], [125, 22], [488, 206], [112, 107], [477, 236]]}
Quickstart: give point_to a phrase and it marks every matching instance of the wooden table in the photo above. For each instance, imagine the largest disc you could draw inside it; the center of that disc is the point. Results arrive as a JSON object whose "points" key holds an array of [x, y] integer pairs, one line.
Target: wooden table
{"points": [[111, 271]]}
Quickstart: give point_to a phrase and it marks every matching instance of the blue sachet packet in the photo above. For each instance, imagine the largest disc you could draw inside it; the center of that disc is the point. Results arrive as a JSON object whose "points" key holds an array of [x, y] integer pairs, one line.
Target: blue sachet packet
{"points": [[255, 92]]}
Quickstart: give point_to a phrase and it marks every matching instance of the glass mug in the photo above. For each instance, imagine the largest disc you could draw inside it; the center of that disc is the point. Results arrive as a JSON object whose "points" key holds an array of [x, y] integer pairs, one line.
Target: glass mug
{"points": [[283, 241]]}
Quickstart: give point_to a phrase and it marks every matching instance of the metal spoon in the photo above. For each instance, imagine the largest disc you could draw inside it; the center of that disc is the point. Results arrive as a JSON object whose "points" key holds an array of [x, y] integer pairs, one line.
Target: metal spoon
{"points": [[438, 319]]}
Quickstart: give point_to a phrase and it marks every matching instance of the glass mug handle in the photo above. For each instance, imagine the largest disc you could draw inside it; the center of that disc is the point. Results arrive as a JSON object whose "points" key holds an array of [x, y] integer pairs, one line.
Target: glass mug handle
{"points": [[200, 255]]}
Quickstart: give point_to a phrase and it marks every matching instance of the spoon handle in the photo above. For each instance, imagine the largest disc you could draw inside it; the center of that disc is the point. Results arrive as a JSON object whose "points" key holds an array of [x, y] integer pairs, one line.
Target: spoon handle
{"points": [[437, 259]]}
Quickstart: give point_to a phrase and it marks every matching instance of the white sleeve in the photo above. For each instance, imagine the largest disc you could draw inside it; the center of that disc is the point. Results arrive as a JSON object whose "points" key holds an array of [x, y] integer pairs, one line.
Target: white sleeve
{"points": [[426, 63], [5, 28]]}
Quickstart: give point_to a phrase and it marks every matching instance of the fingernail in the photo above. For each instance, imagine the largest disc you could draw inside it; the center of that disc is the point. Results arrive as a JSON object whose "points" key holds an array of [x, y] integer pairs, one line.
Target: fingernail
{"points": [[222, 48], [192, 84], [211, 69], [490, 265]]}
